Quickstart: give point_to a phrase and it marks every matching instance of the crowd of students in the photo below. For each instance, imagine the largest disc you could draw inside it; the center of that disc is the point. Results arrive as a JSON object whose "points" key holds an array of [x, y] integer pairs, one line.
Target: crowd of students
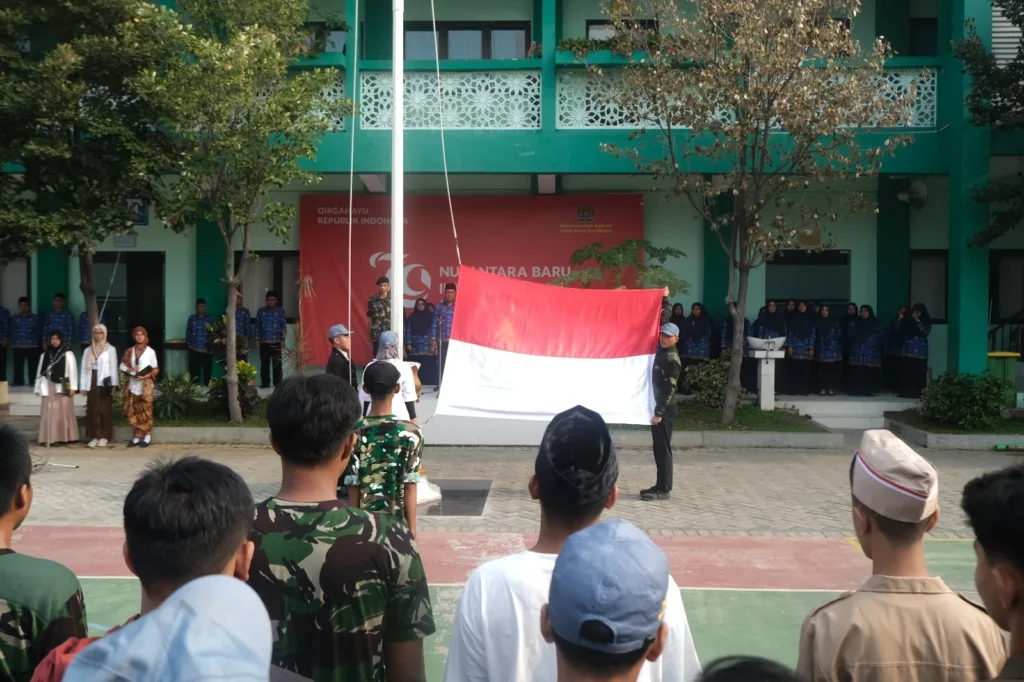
{"points": [[827, 351], [305, 585]]}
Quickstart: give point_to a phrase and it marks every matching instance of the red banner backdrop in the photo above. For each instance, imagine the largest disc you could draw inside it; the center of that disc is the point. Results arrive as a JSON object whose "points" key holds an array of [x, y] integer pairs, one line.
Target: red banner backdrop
{"points": [[527, 237]]}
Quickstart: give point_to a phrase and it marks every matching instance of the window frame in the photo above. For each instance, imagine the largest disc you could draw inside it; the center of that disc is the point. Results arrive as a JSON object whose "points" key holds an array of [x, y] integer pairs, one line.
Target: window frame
{"points": [[648, 24], [994, 269], [921, 21], [28, 284], [278, 260], [944, 253], [485, 28]]}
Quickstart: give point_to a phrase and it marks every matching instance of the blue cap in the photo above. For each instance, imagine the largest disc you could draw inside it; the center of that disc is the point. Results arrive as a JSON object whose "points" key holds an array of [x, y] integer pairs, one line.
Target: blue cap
{"points": [[612, 573], [669, 329], [336, 331], [388, 338], [213, 628]]}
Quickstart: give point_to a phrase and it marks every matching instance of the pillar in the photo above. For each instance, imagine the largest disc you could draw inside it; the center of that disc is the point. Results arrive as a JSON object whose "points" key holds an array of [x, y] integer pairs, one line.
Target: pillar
{"points": [[51, 274], [375, 33], [716, 266], [969, 162], [893, 250], [210, 267], [550, 13]]}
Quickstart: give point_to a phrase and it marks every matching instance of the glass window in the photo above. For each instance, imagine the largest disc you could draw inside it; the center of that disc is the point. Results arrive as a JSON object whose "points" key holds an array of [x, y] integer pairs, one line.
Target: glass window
{"points": [[14, 283], [928, 282], [419, 45], [597, 31], [290, 285], [258, 280], [924, 37], [508, 44], [1011, 285], [465, 44]]}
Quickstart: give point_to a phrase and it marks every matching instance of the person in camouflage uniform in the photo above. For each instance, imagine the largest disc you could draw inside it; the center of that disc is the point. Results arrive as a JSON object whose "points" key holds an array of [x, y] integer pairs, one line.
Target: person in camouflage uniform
{"points": [[378, 309], [665, 379], [385, 465], [345, 589], [41, 602]]}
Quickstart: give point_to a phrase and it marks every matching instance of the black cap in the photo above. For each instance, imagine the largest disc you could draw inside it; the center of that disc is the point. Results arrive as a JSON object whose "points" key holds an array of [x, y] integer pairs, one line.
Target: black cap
{"points": [[383, 280], [449, 287], [576, 458], [201, 301], [380, 378]]}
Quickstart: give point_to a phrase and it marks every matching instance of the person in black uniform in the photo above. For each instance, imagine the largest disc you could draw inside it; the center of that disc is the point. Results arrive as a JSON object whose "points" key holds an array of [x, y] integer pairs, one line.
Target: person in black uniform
{"points": [[665, 379], [339, 364]]}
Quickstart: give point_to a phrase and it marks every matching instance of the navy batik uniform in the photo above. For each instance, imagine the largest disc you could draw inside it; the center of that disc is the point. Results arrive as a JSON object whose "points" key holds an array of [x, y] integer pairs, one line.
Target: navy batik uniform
{"points": [[61, 320], [85, 330], [243, 329], [271, 333], [800, 356], [828, 354], [27, 339], [197, 338], [914, 356], [866, 347]]}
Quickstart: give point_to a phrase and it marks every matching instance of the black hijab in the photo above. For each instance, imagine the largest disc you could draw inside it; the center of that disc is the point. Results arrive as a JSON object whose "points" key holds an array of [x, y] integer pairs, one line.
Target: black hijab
{"points": [[802, 324], [774, 322], [826, 325], [910, 328], [865, 327], [55, 364], [796, 309], [420, 320], [699, 326], [678, 318]]}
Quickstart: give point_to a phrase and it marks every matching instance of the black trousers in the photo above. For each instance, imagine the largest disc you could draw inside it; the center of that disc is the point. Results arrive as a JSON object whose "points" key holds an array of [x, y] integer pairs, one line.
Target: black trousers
{"points": [[3, 363], [662, 434], [798, 376], [200, 366], [22, 356], [442, 360], [830, 376], [913, 377], [270, 354]]}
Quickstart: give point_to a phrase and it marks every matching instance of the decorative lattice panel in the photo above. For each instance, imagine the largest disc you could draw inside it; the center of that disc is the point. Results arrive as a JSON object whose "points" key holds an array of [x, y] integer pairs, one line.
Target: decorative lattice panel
{"points": [[333, 94], [923, 107], [469, 100]]}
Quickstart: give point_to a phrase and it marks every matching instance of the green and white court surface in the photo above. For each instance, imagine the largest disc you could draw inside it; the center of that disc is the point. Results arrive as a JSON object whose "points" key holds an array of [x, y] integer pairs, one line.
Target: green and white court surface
{"points": [[742, 594]]}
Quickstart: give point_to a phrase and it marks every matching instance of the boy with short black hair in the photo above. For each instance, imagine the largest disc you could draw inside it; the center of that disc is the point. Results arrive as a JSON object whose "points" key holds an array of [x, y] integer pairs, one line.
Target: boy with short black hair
{"points": [[370, 609], [994, 504], [385, 465], [183, 519], [41, 601]]}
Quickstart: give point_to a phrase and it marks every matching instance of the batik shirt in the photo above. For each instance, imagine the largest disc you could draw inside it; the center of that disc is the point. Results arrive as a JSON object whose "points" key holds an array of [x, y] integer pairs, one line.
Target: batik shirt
{"points": [[25, 331], [338, 583], [420, 342], [917, 346], [693, 348], [379, 311], [5, 323], [386, 458], [444, 314], [271, 324], [829, 345], [197, 336], [41, 606], [84, 330], [726, 338], [243, 321], [802, 347], [868, 353], [61, 320]]}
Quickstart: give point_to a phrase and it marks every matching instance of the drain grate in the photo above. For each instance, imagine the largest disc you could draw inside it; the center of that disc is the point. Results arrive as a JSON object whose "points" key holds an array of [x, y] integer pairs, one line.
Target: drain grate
{"points": [[460, 497]]}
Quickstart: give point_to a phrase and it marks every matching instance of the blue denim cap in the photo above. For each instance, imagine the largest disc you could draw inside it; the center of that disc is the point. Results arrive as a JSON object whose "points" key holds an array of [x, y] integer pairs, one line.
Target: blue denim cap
{"points": [[388, 338], [612, 573], [669, 329], [336, 331]]}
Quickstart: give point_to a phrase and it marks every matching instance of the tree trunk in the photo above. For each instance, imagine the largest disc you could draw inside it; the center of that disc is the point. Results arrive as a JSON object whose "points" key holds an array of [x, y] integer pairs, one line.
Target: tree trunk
{"points": [[737, 311], [231, 340], [87, 283]]}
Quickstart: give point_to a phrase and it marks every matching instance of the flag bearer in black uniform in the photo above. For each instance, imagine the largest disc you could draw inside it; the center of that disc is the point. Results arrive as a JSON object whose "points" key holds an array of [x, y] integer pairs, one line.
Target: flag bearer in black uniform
{"points": [[665, 379]]}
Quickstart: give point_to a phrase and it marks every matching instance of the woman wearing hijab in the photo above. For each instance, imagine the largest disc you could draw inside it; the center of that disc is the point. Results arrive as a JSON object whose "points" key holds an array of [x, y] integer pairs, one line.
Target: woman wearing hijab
{"points": [[99, 378], [828, 352], [771, 324], [139, 363], [404, 405], [914, 354], [866, 354], [678, 317], [695, 336], [893, 348], [848, 322], [57, 383], [791, 310], [417, 341], [800, 350], [748, 370]]}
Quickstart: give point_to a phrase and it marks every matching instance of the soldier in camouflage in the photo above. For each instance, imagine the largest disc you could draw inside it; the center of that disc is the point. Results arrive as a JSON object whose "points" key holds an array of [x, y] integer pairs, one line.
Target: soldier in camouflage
{"points": [[385, 465], [378, 309], [665, 379], [345, 589], [41, 602]]}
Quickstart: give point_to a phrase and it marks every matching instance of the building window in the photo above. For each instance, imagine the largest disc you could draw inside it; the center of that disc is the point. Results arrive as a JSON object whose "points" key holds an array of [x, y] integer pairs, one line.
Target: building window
{"points": [[467, 40], [788, 276], [1006, 284], [929, 282], [272, 271], [924, 37], [15, 282], [602, 29]]}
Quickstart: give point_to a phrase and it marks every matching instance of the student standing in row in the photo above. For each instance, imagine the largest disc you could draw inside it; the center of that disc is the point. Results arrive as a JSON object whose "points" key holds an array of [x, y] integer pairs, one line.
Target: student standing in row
{"points": [[57, 383], [800, 341], [866, 354], [85, 331], [828, 352], [271, 335], [99, 379], [26, 337], [139, 363], [915, 329], [61, 319], [340, 362], [197, 338], [378, 309]]}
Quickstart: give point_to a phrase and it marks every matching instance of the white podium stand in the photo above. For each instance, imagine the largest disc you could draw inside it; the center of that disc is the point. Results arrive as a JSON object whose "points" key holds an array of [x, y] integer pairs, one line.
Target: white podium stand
{"points": [[764, 351]]}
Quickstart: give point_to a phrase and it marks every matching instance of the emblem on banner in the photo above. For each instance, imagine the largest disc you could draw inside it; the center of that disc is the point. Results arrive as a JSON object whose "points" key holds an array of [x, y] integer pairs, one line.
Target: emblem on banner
{"points": [[416, 282], [585, 214]]}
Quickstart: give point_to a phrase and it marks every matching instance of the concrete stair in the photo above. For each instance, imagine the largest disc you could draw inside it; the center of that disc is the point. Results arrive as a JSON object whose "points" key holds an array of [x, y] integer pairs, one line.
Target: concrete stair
{"points": [[25, 403], [846, 412]]}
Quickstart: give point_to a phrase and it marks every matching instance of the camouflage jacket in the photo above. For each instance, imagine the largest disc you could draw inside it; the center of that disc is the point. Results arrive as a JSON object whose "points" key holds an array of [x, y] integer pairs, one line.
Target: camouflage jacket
{"points": [[379, 311], [667, 369], [338, 584], [41, 605], [387, 456]]}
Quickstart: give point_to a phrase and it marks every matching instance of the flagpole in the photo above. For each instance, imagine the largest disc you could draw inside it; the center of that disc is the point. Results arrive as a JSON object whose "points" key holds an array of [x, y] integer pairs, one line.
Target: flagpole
{"points": [[398, 173]]}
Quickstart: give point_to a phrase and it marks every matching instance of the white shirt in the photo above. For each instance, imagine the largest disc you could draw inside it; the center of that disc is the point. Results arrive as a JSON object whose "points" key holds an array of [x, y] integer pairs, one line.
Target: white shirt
{"points": [[105, 366], [147, 359], [496, 635], [406, 383], [70, 371]]}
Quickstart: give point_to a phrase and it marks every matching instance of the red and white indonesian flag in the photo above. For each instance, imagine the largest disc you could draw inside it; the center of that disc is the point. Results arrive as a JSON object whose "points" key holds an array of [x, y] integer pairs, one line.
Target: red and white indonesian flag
{"points": [[520, 350]]}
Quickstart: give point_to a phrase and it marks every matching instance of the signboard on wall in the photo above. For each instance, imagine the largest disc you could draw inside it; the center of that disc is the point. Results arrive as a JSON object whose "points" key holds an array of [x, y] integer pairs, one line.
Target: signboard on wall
{"points": [[525, 237]]}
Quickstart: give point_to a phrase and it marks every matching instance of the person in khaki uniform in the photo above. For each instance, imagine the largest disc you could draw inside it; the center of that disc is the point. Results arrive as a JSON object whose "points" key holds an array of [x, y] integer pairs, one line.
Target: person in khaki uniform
{"points": [[902, 625], [994, 504]]}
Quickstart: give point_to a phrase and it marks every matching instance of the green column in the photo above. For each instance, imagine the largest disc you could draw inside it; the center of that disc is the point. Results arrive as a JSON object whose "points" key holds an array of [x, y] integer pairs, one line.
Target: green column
{"points": [[548, 73], [716, 266], [375, 33], [892, 20], [210, 267], [969, 150], [893, 250], [51, 272]]}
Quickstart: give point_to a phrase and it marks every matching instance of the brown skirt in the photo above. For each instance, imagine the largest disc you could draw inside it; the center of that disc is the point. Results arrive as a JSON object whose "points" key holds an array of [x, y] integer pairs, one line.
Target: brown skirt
{"points": [[139, 411], [57, 418], [98, 412]]}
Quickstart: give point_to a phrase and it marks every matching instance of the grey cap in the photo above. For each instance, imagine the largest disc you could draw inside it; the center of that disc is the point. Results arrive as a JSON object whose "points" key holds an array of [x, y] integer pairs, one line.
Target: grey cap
{"points": [[336, 331], [669, 329]]}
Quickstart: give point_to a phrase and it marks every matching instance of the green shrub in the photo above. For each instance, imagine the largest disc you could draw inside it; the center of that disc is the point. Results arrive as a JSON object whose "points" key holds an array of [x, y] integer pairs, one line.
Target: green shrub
{"points": [[964, 401], [248, 395], [708, 382], [178, 398]]}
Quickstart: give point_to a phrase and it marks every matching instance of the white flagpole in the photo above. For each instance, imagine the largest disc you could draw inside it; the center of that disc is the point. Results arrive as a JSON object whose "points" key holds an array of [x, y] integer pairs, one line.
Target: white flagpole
{"points": [[398, 173]]}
